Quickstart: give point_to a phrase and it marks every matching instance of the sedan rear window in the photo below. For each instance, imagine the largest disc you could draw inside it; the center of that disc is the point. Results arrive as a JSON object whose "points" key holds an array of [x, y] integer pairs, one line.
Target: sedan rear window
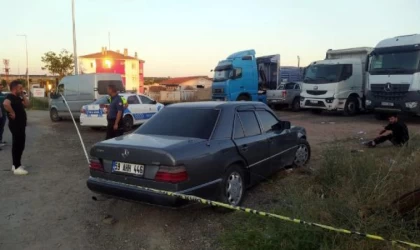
{"points": [[102, 100], [182, 122]]}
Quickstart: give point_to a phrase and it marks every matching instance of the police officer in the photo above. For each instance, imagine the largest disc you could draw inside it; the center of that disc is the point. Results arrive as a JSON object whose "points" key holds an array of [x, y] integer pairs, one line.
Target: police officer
{"points": [[115, 126]]}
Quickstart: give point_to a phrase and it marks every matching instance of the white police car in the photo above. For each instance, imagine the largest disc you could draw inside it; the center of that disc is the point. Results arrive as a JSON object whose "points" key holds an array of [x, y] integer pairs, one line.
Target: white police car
{"points": [[140, 109]]}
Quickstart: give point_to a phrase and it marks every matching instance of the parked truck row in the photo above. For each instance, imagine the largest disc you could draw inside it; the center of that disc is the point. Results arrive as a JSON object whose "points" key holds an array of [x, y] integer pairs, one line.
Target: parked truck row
{"points": [[382, 79]]}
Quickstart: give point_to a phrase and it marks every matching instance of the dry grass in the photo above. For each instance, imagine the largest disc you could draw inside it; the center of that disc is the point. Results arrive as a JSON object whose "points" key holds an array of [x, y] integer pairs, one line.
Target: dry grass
{"points": [[349, 190]]}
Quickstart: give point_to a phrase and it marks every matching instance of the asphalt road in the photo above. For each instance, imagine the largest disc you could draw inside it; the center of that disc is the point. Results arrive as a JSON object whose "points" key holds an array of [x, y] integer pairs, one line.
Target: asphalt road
{"points": [[52, 208]]}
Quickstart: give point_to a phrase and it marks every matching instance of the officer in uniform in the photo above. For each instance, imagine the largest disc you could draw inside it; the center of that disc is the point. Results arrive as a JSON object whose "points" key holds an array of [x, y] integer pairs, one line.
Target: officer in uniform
{"points": [[115, 126]]}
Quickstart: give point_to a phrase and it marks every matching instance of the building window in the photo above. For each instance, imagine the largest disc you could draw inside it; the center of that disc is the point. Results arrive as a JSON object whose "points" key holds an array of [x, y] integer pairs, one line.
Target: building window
{"points": [[91, 65], [133, 66]]}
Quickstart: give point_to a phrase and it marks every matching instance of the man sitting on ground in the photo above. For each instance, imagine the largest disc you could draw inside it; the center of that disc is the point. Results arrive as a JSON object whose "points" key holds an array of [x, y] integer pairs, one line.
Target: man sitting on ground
{"points": [[396, 132]]}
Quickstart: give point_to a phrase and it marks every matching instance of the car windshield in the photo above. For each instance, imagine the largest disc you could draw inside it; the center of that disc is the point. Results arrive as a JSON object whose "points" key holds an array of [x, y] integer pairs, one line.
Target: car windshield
{"points": [[222, 75], [102, 100], [286, 86], [394, 63], [182, 122], [323, 73], [103, 85]]}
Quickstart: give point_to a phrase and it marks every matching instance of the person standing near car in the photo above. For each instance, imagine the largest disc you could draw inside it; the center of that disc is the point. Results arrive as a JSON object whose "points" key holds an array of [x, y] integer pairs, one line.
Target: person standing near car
{"points": [[15, 104], [2, 116], [115, 113]]}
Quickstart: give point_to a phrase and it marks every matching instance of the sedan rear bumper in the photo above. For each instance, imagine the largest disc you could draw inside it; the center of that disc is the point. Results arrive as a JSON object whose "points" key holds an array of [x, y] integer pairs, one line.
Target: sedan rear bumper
{"points": [[128, 192]]}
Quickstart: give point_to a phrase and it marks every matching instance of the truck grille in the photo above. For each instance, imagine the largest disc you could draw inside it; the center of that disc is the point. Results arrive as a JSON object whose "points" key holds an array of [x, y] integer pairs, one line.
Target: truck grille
{"points": [[387, 92], [318, 104], [316, 92], [217, 91]]}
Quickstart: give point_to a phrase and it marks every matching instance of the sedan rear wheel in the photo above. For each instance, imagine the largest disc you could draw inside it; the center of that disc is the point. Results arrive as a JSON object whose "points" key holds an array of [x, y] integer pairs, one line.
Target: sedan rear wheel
{"points": [[303, 154], [233, 186]]}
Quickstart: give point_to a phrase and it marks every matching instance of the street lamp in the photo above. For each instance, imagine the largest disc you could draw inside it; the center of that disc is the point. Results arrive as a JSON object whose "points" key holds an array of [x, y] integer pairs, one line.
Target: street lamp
{"points": [[76, 67], [27, 67]]}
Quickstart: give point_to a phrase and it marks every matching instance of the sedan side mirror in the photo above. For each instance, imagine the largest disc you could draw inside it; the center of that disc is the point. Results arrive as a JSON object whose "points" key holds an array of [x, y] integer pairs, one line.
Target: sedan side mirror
{"points": [[154, 102], [282, 125]]}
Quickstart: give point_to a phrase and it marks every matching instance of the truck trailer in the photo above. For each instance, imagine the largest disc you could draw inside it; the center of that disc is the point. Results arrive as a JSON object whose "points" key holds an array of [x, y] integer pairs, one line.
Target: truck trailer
{"points": [[337, 83]]}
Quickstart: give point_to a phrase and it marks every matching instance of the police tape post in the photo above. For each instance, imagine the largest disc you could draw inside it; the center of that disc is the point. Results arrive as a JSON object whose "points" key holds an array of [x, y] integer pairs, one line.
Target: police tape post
{"points": [[249, 210]]}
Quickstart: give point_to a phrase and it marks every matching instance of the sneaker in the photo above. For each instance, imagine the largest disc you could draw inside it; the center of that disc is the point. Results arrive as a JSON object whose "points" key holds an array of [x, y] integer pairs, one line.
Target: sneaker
{"points": [[20, 171], [370, 144]]}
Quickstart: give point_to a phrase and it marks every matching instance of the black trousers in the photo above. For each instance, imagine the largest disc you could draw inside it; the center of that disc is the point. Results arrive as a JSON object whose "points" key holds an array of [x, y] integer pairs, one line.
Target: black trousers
{"points": [[110, 132], [18, 143], [390, 138]]}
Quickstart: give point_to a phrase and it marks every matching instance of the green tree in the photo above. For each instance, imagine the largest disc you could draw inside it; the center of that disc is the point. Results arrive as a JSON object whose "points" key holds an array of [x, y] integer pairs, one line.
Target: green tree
{"points": [[58, 64], [4, 83]]}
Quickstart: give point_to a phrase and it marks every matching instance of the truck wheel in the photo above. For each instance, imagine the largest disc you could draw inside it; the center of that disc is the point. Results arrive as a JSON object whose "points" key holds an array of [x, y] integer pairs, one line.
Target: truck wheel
{"points": [[296, 105], [54, 115], [233, 186], [243, 98], [128, 123], [351, 108], [316, 111], [380, 116], [303, 154]]}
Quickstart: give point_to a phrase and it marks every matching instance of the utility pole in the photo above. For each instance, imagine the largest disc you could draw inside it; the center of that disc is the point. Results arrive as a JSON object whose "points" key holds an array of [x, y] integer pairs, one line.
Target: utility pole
{"points": [[109, 40], [76, 67], [27, 61], [298, 57]]}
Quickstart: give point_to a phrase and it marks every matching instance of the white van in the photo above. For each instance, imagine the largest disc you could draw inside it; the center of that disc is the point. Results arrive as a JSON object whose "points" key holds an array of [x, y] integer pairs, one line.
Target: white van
{"points": [[80, 90]]}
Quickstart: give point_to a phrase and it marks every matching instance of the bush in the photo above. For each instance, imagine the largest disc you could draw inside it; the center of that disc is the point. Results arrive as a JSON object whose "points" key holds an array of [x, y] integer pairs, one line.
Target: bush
{"points": [[354, 191], [39, 103]]}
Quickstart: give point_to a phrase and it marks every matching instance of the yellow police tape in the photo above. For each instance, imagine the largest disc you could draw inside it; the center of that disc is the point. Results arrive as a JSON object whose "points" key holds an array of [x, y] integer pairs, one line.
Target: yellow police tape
{"points": [[280, 217]]}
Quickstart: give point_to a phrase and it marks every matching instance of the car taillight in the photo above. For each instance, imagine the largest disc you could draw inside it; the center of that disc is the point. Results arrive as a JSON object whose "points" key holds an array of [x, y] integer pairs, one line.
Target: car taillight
{"points": [[171, 174], [284, 93], [83, 111], [96, 165]]}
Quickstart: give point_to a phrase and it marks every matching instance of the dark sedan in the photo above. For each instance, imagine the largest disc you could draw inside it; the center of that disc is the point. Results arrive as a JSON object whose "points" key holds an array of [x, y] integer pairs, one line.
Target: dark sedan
{"points": [[213, 150]]}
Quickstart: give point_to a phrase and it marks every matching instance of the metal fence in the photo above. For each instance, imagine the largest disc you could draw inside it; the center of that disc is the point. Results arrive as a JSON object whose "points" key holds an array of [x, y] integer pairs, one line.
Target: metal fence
{"points": [[181, 96]]}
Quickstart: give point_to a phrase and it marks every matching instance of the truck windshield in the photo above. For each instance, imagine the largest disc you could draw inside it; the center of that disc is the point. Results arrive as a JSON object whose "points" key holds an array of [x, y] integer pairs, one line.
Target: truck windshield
{"points": [[406, 62], [323, 73], [222, 75]]}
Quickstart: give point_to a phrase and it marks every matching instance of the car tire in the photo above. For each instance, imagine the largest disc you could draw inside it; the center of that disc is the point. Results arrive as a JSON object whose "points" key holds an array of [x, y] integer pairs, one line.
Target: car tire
{"points": [[54, 115], [316, 111], [303, 154], [296, 105], [351, 107], [380, 116], [233, 186], [243, 98], [128, 123]]}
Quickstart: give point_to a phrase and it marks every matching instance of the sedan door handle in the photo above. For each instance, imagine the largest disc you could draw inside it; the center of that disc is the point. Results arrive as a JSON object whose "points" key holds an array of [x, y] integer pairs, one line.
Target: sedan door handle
{"points": [[244, 148]]}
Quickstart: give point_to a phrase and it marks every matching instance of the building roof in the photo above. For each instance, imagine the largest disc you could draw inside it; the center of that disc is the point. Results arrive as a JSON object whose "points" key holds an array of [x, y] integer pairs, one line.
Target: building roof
{"points": [[110, 54], [180, 80]]}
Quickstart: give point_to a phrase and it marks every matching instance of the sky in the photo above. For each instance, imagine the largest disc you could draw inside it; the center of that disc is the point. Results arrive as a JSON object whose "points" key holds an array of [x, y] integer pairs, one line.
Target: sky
{"points": [[189, 37]]}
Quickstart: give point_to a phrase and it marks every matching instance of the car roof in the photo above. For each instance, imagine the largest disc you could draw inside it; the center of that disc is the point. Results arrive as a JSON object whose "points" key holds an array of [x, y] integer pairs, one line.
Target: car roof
{"points": [[216, 105]]}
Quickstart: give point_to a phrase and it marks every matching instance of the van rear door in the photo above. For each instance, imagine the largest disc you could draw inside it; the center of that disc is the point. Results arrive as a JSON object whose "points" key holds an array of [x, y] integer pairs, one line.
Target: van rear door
{"points": [[102, 86]]}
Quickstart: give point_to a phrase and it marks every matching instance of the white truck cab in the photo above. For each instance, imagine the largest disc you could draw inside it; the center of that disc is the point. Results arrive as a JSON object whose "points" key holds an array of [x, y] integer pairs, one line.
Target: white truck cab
{"points": [[337, 83], [394, 76]]}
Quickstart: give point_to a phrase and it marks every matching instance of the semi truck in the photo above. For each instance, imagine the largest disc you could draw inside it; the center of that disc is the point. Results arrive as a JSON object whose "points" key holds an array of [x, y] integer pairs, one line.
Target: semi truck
{"points": [[337, 83], [394, 76], [244, 77]]}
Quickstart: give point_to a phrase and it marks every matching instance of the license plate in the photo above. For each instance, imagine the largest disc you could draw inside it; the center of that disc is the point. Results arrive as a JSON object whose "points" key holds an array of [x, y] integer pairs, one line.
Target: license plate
{"points": [[314, 102], [388, 104], [128, 168]]}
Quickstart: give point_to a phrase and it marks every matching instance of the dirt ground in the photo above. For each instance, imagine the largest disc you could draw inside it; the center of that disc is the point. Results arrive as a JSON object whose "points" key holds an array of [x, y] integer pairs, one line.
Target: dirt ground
{"points": [[52, 208]]}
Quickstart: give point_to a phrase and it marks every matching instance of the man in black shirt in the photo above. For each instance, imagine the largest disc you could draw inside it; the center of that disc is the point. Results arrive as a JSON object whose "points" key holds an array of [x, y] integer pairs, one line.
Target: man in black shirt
{"points": [[396, 132], [15, 104]]}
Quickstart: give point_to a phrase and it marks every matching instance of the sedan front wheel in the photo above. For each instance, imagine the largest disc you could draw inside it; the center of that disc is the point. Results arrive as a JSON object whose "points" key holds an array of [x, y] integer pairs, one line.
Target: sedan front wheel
{"points": [[303, 154]]}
